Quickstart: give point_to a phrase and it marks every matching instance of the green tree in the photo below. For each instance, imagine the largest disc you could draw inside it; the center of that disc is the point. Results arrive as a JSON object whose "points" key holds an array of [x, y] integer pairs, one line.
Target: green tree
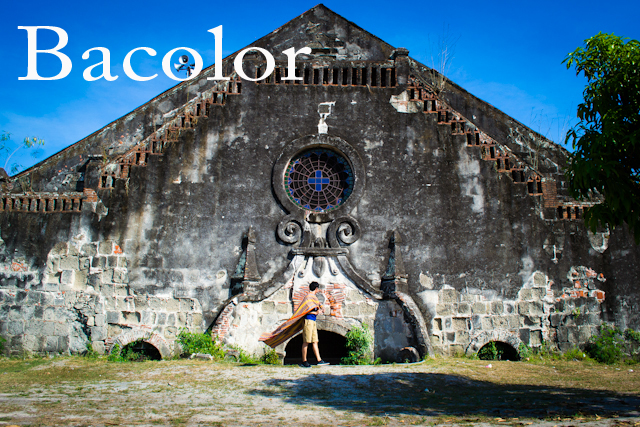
{"points": [[8, 148], [606, 160]]}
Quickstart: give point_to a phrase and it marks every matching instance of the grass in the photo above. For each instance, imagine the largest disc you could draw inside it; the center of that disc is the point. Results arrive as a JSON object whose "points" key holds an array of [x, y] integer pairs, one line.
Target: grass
{"points": [[70, 390]]}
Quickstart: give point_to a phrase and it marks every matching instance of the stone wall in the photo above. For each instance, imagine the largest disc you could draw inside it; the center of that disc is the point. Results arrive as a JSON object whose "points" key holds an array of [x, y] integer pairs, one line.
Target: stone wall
{"points": [[241, 323], [83, 296], [137, 230], [564, 318]]}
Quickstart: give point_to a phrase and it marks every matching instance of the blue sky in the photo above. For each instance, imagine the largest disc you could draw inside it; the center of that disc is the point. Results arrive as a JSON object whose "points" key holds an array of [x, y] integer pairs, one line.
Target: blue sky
{"points": [[506, 53]]}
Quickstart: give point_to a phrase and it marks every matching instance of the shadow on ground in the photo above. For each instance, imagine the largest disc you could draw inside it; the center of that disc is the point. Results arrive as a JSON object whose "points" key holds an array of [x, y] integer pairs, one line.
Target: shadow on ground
{"points": [[432, 394]]}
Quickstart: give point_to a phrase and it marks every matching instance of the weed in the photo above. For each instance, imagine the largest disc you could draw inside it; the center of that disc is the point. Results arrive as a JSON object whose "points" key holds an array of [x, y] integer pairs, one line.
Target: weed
{"points": [[91, 353], [193, 342], [547, 350], [525, 351], [632, 335], [359, 342], [116, 354], [378, 421], [489, 352], [245, 357], [270, 358], [611, 345], [2, 341], [574, 354]]}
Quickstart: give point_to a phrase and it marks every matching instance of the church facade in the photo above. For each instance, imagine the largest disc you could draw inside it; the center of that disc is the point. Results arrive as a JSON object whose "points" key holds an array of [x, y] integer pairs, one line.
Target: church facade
{"points": [[425, 213]]}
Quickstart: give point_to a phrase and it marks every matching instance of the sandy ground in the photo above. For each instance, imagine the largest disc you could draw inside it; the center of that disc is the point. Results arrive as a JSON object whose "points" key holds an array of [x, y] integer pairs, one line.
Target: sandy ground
{"points": [[198, 393]]}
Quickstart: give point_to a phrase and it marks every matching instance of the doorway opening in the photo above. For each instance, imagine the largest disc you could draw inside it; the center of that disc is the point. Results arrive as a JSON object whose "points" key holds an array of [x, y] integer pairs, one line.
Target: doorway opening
{"points": [[498, 350], [332, 349], [139, 351]]}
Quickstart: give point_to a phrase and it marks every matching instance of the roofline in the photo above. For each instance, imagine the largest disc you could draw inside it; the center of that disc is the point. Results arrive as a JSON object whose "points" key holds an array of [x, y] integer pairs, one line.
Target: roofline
{"points": [[186, 82], [457, 86]]}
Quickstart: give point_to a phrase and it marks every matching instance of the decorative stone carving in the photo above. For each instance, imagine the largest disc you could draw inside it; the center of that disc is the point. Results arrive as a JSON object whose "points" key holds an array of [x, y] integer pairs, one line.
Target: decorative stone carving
{"points": [[345, 229], [290, 230]]}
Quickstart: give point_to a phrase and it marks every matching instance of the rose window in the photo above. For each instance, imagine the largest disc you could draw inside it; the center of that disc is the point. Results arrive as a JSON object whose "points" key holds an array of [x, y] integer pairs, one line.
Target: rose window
{"points": [[318, 180]]}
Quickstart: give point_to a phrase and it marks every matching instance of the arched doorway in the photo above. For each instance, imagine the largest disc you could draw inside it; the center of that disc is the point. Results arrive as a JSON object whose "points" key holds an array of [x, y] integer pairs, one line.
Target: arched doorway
{"points": [[332, 348], [498, 350], [152, 343], [141, 351]]}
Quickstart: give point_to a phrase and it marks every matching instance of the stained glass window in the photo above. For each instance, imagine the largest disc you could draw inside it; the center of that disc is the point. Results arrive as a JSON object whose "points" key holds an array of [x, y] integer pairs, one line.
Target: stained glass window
{"points": [[318, 180]]}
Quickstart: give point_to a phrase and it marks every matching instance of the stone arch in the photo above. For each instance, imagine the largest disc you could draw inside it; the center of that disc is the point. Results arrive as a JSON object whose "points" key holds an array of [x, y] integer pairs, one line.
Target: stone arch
{"points": [[496, 335], [337, 326], [149, 337], [332, 336]]}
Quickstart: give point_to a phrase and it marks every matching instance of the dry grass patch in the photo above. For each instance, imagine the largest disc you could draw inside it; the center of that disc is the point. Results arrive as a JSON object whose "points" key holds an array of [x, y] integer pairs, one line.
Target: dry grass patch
{"points": [[68, 391]]}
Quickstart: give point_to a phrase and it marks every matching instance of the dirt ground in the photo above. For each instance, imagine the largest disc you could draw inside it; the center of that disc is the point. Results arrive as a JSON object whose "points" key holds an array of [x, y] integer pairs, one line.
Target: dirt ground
{"points": [[81, 392]]}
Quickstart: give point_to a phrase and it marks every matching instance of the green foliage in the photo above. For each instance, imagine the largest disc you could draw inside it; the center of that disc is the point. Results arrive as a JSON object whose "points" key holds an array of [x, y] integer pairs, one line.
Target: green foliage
{"points": [[524, 351], [91, 353], [115, 355], [611, 345], [547, 350], [8, 149], [606, 347], [606, 160], [270, 358], [359, 343], [126, 353], [631, 335], [575, 354], [471, 356], [244, 357], [544, 351], [193, 342], [2, 341], [489, 352]]}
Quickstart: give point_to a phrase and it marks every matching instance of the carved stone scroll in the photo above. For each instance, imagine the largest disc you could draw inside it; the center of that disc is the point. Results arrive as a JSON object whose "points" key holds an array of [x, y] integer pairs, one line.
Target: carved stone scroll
{"points": [[290, 230], [345, 230]]}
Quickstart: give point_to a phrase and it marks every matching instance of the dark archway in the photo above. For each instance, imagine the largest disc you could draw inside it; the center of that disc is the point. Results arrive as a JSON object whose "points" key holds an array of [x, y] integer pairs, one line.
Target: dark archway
{"points": [[140, 351], [498, 350], [332, 348]]}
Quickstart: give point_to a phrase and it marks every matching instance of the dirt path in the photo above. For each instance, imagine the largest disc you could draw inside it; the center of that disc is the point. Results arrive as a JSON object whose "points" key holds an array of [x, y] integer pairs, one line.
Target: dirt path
{"points": [[75, 392]]}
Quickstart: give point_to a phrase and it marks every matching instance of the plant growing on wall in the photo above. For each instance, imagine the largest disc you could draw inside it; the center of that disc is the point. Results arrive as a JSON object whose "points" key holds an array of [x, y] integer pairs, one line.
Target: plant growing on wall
{"points": [[611, 345], [203, 343], [91, 353], [489, 352], [126, 353], [360, 346]]}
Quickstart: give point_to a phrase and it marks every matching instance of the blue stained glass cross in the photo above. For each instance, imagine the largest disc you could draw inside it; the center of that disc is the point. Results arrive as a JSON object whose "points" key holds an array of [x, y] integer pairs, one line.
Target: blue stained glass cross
{"points": [[318, 180]]}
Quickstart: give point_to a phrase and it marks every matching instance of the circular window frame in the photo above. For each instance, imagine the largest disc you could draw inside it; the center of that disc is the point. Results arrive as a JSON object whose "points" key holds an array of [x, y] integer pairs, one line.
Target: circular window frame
{"points": [[330, 189], [328, 142]]}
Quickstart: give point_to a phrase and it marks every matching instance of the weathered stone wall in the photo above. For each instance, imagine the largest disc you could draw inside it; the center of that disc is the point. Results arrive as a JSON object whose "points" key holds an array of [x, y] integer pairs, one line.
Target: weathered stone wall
{"points": [[241, 323], [81, 297], [138, 230], [465, 321]]}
